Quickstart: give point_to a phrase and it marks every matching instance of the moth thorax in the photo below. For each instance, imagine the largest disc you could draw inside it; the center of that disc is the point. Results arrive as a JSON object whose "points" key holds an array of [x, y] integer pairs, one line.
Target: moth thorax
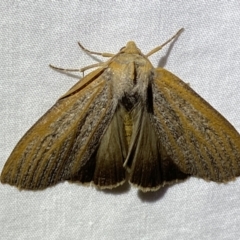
{"points": [[128, 124], [130, 100]]}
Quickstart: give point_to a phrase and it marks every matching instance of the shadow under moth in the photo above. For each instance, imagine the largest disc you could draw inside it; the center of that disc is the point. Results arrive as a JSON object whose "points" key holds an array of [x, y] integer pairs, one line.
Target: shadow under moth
{"points": [[126, 120]]}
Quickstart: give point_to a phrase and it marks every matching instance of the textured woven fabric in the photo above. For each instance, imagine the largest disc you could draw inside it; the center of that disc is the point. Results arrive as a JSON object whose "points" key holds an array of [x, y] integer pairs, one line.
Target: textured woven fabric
{"points": [[206, 55]]}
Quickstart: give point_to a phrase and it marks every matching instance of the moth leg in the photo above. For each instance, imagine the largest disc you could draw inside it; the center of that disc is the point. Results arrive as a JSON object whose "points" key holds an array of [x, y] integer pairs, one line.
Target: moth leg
{"points": [[156, 49], [77, 69], [96, 53]]}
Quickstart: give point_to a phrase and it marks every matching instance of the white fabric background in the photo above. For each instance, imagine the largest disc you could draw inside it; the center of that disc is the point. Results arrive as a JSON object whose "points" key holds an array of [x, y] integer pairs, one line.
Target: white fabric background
{"points": [[206, 55]]}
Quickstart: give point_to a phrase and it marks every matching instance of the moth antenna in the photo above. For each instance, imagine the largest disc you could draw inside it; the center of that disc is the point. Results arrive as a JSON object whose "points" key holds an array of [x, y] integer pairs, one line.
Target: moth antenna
{"points": [[95, 53], [169, 40]]}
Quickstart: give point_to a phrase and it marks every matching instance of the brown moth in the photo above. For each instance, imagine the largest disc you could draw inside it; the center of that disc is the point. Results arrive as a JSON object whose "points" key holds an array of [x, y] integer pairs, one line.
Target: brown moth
{"points": [[126, 115]]}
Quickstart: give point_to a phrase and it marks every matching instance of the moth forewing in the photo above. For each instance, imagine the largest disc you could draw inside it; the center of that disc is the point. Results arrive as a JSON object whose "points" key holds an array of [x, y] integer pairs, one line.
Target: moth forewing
{"points": [[63, 140], [199, 140]]}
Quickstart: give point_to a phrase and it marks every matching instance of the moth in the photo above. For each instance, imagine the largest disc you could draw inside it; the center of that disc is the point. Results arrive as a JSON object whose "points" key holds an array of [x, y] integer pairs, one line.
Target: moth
{"points": [[126, 120]]}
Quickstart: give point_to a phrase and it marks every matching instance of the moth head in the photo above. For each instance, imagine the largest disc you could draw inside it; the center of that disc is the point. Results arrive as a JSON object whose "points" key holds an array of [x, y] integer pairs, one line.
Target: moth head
{"points": [[131, 48]]}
